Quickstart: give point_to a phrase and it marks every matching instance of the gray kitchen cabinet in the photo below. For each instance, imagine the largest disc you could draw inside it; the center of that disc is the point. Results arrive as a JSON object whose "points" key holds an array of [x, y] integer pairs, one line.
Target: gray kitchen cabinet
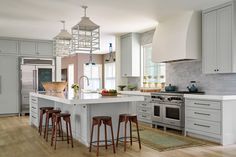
{"points": [[36, 48], [27, 48], [130, 55], [217, 40], [8, 46], [9, 93], [144, 110], [45, 48]]}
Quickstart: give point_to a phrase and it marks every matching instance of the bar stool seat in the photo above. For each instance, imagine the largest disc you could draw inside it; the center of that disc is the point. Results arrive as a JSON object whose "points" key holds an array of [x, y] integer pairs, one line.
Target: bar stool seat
{"points": [[49, 114], [57, 124], [99, 120], [128, 118], [42, 112]]}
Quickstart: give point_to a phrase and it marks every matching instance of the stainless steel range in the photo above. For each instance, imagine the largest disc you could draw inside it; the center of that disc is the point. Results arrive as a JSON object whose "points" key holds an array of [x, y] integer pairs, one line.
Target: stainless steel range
{"points": [[168, 110]]}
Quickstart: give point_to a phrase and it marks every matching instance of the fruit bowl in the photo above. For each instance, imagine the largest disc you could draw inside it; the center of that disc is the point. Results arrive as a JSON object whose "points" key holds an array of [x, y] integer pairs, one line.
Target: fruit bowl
{"points": [[108, 94], [111, 92]]}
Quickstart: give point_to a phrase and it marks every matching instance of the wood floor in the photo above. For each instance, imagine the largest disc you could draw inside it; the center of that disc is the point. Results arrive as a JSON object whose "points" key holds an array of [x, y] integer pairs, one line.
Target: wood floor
{"points": [[18, 139]]}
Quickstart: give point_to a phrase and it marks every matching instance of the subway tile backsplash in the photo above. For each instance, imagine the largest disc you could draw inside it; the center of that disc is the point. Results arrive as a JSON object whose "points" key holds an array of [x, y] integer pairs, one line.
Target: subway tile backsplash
{"points": [[181, 73]]}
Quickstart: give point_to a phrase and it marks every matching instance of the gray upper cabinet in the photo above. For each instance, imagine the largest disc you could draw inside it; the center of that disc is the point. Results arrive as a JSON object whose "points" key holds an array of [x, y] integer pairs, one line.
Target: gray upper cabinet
{"points": [[45, 48], [36, 48], [218, 53], [8, 46], [27, 48], [130, 55]]}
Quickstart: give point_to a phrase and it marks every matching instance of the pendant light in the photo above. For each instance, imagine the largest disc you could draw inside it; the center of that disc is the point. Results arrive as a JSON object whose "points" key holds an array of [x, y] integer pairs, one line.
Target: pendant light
{"points": [[62, 42], [90, 62], [111, 57], [86, 35]]}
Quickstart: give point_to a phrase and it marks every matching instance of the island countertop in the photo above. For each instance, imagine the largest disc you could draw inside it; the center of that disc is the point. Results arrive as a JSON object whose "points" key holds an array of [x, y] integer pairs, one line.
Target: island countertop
{"points": [[85, 98]]}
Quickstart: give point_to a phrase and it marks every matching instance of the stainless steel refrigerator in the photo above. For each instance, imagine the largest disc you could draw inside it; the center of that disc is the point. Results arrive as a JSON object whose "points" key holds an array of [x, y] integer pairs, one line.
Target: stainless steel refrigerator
{"points": [[33, 73]]}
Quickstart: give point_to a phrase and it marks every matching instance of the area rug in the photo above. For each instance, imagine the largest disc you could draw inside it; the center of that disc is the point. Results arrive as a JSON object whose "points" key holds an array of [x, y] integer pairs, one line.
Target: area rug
{"points": [[164, 141]]}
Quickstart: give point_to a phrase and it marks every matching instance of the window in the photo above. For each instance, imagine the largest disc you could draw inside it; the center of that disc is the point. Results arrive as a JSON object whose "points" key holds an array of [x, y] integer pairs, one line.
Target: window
{"points": [[94, 73], [110, 75], [70, 77], [152, 74]]}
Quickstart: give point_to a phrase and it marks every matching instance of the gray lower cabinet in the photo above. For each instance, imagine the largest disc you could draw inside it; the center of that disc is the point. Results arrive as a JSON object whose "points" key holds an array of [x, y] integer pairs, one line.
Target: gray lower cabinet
{"points": [[8, 46], [144, 110], [203, 118], [36, 48], [9, 97]]}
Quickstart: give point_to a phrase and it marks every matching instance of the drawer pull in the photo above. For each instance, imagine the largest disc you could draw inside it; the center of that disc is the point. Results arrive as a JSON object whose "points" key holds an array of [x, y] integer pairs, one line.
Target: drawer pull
{"points": [[33, 117], [33, 107], [205, 114], [144, 116], [201, 104], [144, 110], [205, 126], [144, 104]]}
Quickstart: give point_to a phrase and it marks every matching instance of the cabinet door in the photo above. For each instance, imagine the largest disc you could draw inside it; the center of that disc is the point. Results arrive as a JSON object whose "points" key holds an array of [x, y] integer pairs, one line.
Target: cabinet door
{"points": [[209, 42], [126, 56], [8, 85], [8, 46], [28, 48], [45, 48], [224, 40]]}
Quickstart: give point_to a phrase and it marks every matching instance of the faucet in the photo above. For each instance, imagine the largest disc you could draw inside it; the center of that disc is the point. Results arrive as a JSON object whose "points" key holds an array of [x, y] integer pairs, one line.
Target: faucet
{"points": [[80, 81]]}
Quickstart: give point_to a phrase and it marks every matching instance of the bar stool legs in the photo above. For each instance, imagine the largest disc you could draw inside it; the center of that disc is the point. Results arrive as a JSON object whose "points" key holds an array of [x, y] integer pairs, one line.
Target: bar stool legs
{"points": [[57, 124], [128, 118], [42, 112], [107, 121]]}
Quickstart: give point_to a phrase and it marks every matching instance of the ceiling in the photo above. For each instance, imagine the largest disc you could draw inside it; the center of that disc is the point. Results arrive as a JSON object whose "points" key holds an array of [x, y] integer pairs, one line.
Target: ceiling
{"points": [[40, 18]]}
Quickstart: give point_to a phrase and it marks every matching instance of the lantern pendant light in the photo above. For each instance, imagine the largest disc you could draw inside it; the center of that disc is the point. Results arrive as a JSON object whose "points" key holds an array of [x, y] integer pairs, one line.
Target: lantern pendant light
{"points": [[62, 42], [86, 35]]}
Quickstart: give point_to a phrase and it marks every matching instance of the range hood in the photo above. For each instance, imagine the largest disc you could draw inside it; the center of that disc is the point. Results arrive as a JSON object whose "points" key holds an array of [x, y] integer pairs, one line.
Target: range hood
{"points": [[178, 38]]}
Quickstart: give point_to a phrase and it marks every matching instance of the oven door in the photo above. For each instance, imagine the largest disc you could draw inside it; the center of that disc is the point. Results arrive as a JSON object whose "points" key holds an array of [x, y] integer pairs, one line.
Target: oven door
{"points": [[172, 114], [157, 115]]}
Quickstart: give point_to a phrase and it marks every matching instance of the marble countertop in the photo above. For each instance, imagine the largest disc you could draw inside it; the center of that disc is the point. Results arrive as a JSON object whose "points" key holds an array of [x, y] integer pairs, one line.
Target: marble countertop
{"points": [[135, 93], [218, 97], [86, 98]]}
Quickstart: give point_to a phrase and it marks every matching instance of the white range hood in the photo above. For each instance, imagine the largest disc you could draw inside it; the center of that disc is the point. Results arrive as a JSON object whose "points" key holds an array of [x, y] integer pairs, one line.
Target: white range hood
{"points": [[178, 38]]}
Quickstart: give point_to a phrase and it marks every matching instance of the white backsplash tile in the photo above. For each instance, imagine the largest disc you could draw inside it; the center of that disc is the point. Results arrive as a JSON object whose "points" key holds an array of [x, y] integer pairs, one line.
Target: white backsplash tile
{"points": [[181, 73]]}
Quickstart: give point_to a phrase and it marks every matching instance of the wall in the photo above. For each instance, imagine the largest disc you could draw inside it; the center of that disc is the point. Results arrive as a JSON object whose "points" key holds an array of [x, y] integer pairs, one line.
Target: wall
{"points": [[181, 73], [79, 60]]}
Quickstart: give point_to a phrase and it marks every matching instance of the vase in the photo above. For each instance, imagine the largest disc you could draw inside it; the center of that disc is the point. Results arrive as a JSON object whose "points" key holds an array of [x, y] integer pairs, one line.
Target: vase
{"points": [[76, 92]]}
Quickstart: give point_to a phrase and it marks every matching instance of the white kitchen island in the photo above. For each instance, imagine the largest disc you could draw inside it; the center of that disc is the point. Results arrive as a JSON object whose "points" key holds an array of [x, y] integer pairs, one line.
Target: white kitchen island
{"points": [[82, 108]]}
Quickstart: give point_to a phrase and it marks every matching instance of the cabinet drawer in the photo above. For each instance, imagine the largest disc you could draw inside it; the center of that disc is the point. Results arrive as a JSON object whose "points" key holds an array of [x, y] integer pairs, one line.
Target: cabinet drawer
{"points": [[34, 109], [144, 116], [203, 104], [146, 110], [34, 100], [204, 114], [34, 120], [144, 104], [205, 126]]}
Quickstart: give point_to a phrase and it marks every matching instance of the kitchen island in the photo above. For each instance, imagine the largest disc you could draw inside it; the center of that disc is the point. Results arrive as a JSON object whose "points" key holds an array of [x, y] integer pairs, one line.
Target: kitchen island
{"points": [[82, 108]]}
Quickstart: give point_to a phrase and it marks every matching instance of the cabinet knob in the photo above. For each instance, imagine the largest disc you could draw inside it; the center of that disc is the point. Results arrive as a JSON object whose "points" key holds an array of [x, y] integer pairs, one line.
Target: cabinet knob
{"points": [[217, 69]]}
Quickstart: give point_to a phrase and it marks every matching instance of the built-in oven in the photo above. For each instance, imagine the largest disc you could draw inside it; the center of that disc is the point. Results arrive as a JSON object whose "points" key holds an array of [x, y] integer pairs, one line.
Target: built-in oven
{"points": [[157, 115], [172, 114]]}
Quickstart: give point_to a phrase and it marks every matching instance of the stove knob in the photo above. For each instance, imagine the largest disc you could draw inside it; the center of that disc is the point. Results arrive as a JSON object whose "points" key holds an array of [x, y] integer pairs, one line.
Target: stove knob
{"points": [[170, 99]]}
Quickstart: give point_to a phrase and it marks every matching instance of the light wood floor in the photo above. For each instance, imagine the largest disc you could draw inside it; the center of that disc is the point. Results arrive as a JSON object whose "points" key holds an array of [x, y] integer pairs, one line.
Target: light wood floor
{"points": [[18, 139]]}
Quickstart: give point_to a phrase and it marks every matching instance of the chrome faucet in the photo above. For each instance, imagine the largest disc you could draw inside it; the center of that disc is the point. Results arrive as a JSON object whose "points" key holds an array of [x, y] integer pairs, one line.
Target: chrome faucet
{"points": [[80, 81]]}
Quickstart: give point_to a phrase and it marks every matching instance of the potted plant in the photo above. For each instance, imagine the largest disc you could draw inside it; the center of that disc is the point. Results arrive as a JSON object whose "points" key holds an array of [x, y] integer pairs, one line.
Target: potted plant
{"points": [[75, 86]]}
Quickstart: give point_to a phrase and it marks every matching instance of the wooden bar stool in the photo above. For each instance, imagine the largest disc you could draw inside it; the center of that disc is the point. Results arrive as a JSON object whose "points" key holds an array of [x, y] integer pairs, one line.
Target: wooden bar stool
{"points": [[56, 126], [98, 120], [42, 112], [49, 114], [128, 118]]}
